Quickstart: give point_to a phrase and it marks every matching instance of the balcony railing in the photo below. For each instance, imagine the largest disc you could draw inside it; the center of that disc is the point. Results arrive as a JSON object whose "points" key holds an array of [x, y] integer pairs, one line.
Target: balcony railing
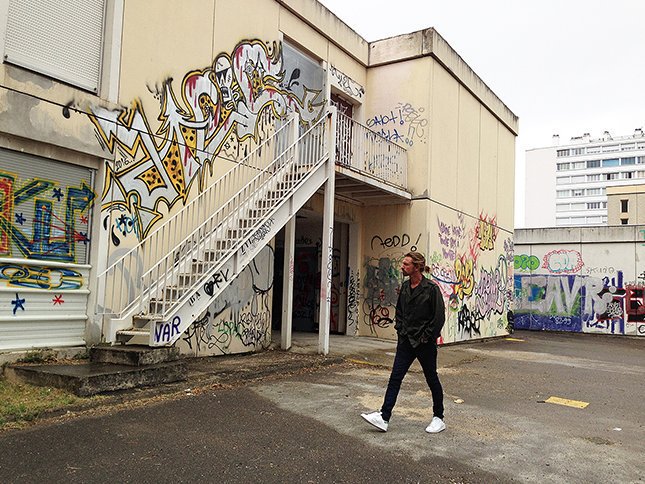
{"points": [[369, 153]]}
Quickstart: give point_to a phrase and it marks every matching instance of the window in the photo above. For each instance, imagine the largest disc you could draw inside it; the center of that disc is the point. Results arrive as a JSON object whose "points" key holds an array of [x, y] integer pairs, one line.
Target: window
{"points": [[640, 160], [591, 178], [62, 40], [624, 221], [594, 220], [593, 205], [577, 151], [578, 165], [640, 174], [611, 176], [562, 207], [563, 153], [593, 149], [627, 174], [563, 193], [610, 148], [594, 191], [628, 161], [624, 206], [562, 180], [604, 205], [627, 146], [563, 166], [562, 221], [610, 162], [577, 206], [578, 179], [593, 164], [577, 193]]}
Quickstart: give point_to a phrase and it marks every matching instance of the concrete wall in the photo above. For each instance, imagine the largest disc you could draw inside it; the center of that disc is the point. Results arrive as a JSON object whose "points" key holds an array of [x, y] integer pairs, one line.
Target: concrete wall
{"points": [[460, 140], [589, 280]]}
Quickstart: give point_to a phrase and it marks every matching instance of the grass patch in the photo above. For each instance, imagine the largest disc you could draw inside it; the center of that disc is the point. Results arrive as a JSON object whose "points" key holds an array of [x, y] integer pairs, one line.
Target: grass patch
{"points": [[23, 403]]}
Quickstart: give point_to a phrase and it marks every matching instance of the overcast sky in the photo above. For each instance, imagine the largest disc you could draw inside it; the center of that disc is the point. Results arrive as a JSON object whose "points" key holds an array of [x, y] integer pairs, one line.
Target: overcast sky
{"points": [[563, 66]]}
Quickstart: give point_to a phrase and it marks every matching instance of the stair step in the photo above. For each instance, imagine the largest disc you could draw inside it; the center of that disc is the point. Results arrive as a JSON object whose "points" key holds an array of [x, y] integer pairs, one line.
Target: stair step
{"points": [[173, 292], [133, 355], [92, 378]]}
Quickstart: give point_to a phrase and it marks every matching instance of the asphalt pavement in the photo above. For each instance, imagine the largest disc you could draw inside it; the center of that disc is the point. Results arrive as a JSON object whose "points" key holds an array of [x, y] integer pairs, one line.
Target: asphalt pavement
{"points": [[537, 407]]}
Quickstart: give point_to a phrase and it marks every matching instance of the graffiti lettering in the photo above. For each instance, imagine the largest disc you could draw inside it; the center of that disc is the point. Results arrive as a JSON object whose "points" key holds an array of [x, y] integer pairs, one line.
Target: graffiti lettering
{"points": [[52, 237], [395, 241], [525, 262], [165, 331], [217, 279], [346, 83], [49, 278], [563, 261]]}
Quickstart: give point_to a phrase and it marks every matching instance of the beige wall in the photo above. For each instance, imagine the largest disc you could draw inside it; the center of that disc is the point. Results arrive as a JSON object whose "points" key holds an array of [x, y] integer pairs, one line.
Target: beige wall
{"points": [[635, 197]]}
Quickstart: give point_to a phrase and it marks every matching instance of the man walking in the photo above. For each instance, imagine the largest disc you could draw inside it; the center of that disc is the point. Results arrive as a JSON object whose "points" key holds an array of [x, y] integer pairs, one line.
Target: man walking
{"points": [[420, 314]]}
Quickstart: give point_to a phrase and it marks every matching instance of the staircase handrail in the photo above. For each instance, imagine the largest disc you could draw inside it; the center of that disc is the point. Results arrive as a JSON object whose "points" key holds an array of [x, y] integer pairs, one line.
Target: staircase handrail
{"points": [[266, 176], [255, 156]]}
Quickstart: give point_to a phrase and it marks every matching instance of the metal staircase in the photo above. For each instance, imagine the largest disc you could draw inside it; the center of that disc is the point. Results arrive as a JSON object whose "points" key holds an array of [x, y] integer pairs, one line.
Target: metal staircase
{"points": [[161, 286]]}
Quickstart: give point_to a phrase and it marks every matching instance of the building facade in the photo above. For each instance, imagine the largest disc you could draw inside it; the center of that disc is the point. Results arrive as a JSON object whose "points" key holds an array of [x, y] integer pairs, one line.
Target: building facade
{"points": [[203, 176], [581, 279], [566, 185]]}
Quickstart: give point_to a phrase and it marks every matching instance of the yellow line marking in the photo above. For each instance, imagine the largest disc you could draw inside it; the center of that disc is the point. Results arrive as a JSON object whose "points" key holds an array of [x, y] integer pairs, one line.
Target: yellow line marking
{"points": [[513, 339], [361, 362], [567, 402]]}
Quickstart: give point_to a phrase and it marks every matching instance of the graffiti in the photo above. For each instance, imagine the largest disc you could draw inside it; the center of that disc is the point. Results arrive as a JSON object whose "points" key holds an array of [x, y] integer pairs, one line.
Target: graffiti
{"points": [[467, 323], [218, 279], [449, 238], [563, 261], [525, 262], [490, 290], [165, 331], [353, 296], [233, 101], [58, 299], [395, 241], [18, 303], [53, 236], [248, 317], [33, 277], [346, 83], [578, 303], [486, 232], [403, 117], [464, 273], [258, 236], [600, 270]]}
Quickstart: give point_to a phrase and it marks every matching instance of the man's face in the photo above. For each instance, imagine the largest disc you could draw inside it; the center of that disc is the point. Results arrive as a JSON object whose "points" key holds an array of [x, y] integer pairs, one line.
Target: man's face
{"points": [[407, 267]]}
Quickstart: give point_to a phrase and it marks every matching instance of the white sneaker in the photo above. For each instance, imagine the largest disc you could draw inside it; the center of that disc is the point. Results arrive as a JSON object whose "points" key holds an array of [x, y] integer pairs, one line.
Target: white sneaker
{"points": [[436, 426], [375, 419]]}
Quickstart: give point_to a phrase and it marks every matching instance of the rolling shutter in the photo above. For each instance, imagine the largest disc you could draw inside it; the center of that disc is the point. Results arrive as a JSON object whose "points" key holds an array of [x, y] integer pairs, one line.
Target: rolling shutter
{"points": [[62, 39]]}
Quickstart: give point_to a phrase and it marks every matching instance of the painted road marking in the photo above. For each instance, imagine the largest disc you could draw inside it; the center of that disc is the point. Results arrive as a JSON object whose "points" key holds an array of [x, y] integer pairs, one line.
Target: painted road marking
{"points": [[514, 339], [567, 402], [361, 362]]}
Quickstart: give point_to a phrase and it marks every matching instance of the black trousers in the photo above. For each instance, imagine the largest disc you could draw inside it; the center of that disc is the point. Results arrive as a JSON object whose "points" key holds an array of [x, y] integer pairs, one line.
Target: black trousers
{"points": [[426, 353]]}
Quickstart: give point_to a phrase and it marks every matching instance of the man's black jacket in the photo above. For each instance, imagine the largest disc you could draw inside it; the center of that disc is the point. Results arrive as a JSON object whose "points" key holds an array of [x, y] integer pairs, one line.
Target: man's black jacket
{"points": [[420, 312]]}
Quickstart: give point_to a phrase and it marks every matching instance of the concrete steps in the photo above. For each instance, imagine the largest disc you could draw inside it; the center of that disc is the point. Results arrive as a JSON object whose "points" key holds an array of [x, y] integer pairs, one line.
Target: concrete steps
{"points": [[110, 368]]}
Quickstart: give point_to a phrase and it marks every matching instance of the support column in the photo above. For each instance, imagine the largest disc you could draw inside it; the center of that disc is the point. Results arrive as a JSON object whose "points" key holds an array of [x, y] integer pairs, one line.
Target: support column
{"points": [[326, 261], [287, 283]]}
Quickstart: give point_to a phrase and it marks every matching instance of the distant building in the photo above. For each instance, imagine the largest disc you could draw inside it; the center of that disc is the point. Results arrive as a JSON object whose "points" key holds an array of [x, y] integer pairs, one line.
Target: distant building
{"points": [[566, 185], [626, 205]]}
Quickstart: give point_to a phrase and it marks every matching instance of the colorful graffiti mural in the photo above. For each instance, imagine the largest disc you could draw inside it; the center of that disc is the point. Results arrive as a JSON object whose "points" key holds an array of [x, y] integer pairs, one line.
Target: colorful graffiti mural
{"points": [[218, 110], [58, 222], [579, 303], [471, 266]]}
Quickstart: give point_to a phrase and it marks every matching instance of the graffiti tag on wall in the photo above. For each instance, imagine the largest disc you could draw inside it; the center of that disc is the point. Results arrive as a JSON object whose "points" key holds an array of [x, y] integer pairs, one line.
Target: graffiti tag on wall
{"points": [[217, 109]]}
